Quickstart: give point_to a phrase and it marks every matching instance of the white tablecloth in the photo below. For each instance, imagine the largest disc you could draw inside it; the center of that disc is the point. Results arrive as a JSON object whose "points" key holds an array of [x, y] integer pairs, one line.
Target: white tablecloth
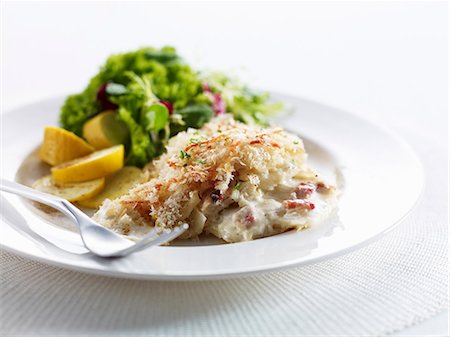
{"points": [[396, 282]]}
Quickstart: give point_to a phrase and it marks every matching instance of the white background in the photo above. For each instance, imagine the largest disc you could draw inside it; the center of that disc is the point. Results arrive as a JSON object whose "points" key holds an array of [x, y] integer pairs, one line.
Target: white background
{"points": [[387, 61]]}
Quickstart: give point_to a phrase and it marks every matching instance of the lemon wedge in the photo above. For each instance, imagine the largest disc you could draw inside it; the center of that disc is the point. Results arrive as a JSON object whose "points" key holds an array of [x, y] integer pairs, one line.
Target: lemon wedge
{"points": [[117, 184], [105, 130], [61, 145], [70, 191], [95, 165]]}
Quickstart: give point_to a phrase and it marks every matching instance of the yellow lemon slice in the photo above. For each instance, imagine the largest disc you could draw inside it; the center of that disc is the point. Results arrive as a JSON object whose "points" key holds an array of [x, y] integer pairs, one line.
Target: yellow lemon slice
{"points": [[95, 165], [70, 191], [61, 145], [117, 184], [105, 130]]}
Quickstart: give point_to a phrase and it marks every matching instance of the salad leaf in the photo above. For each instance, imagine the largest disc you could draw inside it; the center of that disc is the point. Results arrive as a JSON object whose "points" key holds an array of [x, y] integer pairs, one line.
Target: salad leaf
{"points": [[195, 116], [144, 116], [155, 117], [141, 149], [115, 89], [246, 105], [77, 109], [164, 55]]}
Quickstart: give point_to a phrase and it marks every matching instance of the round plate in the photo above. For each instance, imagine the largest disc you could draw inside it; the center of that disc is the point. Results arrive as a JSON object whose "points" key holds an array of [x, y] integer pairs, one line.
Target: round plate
{"points": [[378, 176]]}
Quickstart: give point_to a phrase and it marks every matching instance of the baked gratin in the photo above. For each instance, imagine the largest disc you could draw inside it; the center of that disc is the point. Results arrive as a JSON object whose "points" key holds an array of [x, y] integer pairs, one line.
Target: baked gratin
{"points": [[235, 181]]}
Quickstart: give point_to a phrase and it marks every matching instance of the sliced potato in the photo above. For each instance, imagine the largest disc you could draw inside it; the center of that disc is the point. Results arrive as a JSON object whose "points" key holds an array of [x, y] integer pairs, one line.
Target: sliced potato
{"points": [[117, 185], [93, 166], [70, 191], [105, 130], [60, 145]]}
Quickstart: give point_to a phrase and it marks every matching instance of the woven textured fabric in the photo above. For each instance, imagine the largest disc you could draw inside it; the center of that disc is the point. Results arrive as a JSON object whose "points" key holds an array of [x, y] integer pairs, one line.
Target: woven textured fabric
{"points": [[395, 282]]}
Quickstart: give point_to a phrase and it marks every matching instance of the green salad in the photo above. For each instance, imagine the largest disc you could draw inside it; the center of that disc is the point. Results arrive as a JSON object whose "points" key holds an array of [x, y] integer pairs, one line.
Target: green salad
{"points": [[152, 94]]}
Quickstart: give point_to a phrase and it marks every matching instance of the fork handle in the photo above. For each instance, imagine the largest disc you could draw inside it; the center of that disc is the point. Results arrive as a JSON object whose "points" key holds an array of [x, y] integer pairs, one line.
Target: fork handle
{"points": [[60, 204]]}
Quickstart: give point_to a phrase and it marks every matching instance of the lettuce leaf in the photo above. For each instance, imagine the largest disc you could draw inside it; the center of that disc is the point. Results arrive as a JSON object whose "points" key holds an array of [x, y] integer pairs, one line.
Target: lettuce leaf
{"points": [[141, 148]]}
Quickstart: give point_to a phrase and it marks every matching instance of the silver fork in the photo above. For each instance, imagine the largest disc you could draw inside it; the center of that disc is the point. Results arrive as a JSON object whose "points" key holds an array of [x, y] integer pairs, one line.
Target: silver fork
{"points": [[96, 238]]}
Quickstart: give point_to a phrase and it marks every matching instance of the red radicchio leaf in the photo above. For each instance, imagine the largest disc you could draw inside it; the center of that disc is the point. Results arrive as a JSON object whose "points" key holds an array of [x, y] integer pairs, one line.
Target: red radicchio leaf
{"points": [[168, 105], [102, 97], [205, 87], [219, 106]]}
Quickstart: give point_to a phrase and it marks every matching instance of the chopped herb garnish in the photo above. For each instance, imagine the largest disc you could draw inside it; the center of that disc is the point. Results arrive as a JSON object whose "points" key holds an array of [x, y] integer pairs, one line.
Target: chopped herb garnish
{"points": [[219, 131], [237, 186], [196, 139], [296, 142], [184, 155], [185, 164], [201, 161]]}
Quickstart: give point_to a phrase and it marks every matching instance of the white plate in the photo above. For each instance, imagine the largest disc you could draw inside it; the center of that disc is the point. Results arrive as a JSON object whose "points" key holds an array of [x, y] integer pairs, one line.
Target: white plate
{"points": [[379, 175]]}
